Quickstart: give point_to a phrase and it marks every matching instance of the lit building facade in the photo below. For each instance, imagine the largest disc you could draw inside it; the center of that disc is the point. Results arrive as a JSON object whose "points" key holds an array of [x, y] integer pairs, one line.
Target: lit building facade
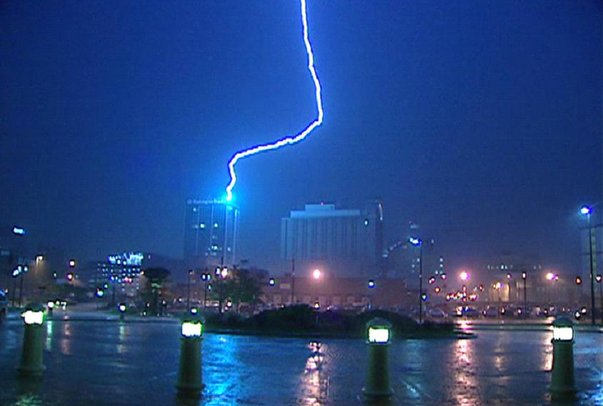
{"points": [[120, 273], [343, 242], [211, 233]]}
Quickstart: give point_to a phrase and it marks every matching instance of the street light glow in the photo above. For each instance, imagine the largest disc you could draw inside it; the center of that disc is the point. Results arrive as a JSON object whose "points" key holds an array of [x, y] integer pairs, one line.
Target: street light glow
{"points": [[585, 210], [415, 241], [464, 276], [316, 274]]}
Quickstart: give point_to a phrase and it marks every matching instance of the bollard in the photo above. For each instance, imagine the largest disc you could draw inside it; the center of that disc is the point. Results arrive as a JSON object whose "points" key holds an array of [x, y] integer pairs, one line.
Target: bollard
{"points": [[122, 311], [50, 307], [189, 383], [33, 341], [377, 378], [562, 379]]}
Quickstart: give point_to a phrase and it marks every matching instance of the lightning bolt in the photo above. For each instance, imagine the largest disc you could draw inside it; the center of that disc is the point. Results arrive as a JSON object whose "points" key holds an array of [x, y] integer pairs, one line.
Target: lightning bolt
{"points": [[290, 139]]}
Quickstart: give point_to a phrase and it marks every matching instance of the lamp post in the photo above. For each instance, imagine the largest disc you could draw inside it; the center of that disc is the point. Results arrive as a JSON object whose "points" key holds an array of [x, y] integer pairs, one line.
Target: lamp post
{"points": [[524, 276], [292, 281], [371, 285], [206, 278], [188, 289], [221, 274], [599, 279], [509, 277], [552, 278], [587, 211], [417, 242]]}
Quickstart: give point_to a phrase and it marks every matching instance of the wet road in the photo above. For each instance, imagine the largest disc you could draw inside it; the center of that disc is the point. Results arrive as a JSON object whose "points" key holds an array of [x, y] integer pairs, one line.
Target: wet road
{"points": [[107, 363]]}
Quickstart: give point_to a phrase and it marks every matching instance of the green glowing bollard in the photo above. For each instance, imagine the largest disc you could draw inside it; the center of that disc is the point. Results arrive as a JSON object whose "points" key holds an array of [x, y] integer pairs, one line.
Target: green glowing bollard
{"points": [[122, 311], [50, 307], [189, 372], [33, 341], [562, 379], [377, 378]]}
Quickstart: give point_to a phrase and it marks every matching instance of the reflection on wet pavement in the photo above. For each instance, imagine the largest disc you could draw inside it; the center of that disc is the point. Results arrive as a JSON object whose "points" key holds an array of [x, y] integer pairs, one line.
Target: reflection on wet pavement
{"points": [[98, 363], [314, 387]]}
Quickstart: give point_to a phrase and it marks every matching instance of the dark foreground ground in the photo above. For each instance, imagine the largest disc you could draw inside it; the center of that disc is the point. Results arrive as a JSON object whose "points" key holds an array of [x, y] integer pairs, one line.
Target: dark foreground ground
{"points": [[134, 363]]}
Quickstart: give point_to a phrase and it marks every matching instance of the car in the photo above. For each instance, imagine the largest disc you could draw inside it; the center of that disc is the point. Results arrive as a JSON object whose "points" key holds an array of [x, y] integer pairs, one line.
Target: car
{"points": [[436, 313], [490, 311], [470, 312]]}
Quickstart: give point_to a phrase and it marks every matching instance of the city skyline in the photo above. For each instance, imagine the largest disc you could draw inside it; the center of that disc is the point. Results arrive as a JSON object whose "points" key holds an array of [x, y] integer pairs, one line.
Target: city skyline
{"points": [[490, 142]]}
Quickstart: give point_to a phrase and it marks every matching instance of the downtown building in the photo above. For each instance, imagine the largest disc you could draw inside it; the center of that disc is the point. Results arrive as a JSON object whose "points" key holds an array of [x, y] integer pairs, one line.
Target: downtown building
{"points": [[211, 233], [119, 275], [343, 243]]}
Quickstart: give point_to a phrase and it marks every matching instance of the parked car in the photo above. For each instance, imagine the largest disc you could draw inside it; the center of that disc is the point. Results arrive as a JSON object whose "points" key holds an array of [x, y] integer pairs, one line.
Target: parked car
{"points": [[436, 313], [490, 311]]}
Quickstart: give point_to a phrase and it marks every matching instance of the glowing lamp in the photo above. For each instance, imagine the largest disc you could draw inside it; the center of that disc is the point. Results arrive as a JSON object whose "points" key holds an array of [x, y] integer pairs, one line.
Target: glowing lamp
{"points": [[33, 315], [371, 283], [379, 331], [585, 210], [50, 305], [121, 307], [192, 328], [563, 329]]}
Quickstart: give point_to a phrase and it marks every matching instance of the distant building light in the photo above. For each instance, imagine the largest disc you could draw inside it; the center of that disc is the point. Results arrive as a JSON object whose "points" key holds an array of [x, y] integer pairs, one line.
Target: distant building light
{"points": [[18, 230]]}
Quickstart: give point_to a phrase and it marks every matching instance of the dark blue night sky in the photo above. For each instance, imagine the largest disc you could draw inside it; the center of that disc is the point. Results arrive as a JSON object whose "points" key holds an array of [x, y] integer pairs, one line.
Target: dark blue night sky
{"points": [[479, 120]]}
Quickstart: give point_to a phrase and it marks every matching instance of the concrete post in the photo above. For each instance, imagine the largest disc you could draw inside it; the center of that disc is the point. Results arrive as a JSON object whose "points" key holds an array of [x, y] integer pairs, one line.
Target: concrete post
{"points": [[377, 377], [562, 379], [33, 341], [189, 382]]}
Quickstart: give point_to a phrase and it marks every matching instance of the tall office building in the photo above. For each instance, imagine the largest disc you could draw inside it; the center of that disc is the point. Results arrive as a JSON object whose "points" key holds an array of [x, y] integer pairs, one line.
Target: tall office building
{"points": [[345, 242], [211, 233]]}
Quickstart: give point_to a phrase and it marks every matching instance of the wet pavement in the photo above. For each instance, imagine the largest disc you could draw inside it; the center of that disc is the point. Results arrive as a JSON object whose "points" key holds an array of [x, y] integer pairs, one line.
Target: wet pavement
{"points": [[105, 362]]}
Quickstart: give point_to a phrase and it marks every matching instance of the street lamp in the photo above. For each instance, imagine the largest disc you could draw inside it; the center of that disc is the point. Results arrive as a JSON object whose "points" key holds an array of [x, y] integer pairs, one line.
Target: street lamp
{"points": [[205, 277], [497, 286], [524, 276], [551, 277], [417, 242], [509, 277], [188, 289], [587, 211], [599, 279], [316, 274], [371, 286]]}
